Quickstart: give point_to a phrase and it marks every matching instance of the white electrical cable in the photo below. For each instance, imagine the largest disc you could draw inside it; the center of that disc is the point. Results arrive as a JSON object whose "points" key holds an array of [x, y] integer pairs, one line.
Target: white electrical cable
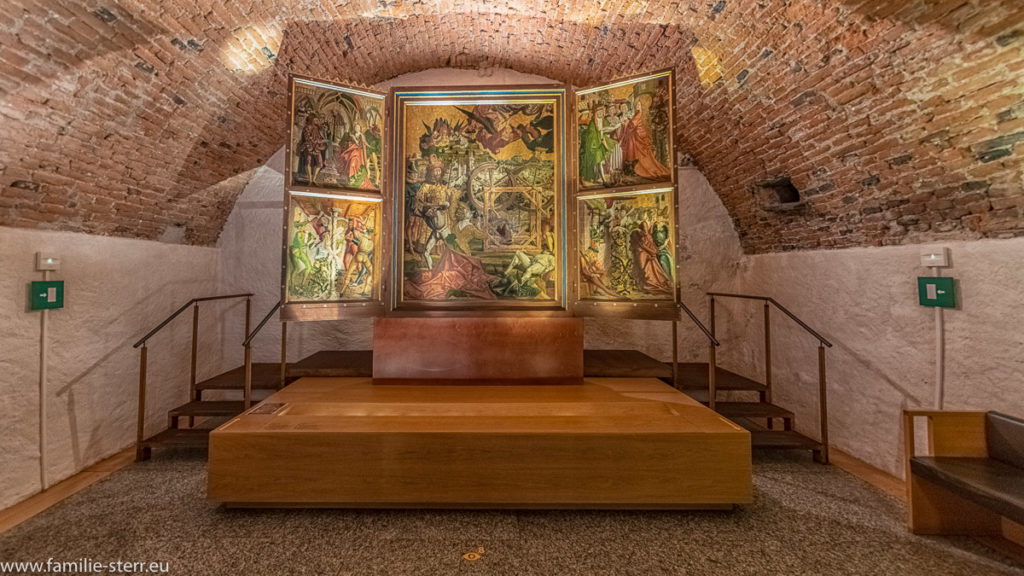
{"points": [[43, 350], [940, 352]]}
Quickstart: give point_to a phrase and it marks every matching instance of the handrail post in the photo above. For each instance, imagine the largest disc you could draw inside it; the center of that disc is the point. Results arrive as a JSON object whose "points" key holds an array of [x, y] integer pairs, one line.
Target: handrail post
{"points": [[248, 314], [712, 374], [823, 399], [284, 352], [193, 393], [768, 357], [195, 345], [248, 353], [711, 307], [140, 453], [675, 353], [712, 360], [248, 376]]}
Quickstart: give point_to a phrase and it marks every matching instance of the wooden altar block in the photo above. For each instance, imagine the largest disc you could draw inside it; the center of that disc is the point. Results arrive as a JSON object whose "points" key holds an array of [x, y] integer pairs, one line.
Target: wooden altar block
{"points": [[478, 349], [603, 443]]}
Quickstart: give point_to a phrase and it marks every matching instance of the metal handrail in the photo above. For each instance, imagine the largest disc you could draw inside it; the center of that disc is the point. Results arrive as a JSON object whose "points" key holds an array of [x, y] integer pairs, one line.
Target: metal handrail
{"points": [[141, 451], [182, 309], [250, 336], [713, 343], [823, 455], [247, 346], [781, 308], [703, 328]]}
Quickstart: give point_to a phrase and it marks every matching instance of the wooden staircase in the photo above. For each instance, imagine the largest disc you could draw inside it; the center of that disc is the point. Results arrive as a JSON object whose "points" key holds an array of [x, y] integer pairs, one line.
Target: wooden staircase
{"points": [[762, 417], [215, 400], [189, 425]]}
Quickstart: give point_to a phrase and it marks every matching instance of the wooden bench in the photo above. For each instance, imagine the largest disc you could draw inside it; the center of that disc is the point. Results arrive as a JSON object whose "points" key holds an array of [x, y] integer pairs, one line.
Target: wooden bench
{"points": [[972, 481]]}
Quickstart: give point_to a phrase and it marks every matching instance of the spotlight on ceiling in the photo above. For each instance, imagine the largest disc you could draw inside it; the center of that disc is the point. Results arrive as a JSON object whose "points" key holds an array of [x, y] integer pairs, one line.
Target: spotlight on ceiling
{"points": [[709, 68], [251, 50]]}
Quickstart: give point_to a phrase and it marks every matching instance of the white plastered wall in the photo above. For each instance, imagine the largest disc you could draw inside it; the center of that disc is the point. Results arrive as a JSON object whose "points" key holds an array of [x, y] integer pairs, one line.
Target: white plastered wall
{"points": [[115, 291], [865, 301]]}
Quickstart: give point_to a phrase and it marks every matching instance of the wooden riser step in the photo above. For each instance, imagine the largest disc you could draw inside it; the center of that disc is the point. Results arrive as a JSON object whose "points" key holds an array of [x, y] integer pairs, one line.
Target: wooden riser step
{"points": [[265, 376], [180, 438], [782, 440], [205, 408], [596, 363], [751, 410], [623, 364], [761, 437], [694, 376], [334, 364]]}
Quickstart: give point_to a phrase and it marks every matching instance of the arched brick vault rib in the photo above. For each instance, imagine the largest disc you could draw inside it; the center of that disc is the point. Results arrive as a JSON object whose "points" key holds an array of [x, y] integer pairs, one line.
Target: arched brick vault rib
{"points": [[897, 121]]}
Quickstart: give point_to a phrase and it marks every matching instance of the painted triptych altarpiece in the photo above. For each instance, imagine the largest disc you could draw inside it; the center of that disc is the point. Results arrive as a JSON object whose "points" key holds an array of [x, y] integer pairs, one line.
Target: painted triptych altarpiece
{"points": [[483, 200], [332, 258]]}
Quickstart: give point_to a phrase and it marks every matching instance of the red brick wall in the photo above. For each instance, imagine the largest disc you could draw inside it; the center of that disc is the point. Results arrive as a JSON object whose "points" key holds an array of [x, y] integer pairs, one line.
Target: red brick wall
{"points": [[897, 121]]}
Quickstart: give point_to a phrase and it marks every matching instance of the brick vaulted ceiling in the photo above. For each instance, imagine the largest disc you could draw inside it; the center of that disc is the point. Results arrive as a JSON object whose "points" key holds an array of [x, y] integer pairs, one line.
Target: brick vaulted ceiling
{"points": [[897, 121]]}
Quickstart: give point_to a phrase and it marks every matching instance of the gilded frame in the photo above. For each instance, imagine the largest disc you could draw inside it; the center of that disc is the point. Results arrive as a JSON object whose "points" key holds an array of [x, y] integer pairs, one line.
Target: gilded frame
{"points": [[648, 308], [353, 92], [653, 308], [296, 308], [310, 310], [669, 74], [399, 101]]}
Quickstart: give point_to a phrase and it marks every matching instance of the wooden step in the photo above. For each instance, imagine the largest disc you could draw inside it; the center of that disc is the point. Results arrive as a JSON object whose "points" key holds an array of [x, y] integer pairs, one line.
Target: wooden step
{"points": [[782, 440], [623, 364], [751, 410], [265, 376], [181, 438], [334, 363], [205, 408], [694, 376]]}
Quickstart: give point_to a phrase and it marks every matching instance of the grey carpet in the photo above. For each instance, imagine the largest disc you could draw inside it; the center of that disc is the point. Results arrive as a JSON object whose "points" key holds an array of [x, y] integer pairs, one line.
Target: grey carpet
{"points": [[807, 519]]}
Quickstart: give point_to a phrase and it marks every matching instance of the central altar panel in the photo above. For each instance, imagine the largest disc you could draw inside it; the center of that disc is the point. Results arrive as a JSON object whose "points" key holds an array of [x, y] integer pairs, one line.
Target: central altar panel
{"points": [[478, 192]]}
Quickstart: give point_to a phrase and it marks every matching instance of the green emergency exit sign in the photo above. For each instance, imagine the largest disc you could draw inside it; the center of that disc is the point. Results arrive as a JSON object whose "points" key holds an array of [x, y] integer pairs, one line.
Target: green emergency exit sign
{"points": [[936, 292], [47, 295]]}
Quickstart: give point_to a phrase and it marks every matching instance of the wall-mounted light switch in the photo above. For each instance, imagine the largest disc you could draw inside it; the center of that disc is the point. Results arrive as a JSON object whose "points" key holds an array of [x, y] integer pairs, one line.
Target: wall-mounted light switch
{"points": [[935, 257], [47, 262]]}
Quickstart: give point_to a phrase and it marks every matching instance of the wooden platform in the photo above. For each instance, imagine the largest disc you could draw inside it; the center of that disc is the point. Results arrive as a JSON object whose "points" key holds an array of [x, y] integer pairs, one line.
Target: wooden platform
{"points": [[623, 364], [334, 363], [596, 363], [605, 443]]}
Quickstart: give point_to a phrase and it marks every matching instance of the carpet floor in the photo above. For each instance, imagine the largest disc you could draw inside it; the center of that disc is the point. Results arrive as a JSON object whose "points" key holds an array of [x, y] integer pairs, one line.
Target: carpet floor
{"points": [[807, 519]]}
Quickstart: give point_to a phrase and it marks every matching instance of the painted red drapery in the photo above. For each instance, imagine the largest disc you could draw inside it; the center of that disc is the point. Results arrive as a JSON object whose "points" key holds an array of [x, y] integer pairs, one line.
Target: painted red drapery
{"points": [[453, 271], [637, 146]]}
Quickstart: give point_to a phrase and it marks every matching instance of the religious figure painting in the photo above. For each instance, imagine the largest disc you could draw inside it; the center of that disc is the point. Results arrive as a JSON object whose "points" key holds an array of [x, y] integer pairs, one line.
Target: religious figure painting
{"points": [[336, 136], [627, 246], [625, 133], [479, 198], [332, 249]]}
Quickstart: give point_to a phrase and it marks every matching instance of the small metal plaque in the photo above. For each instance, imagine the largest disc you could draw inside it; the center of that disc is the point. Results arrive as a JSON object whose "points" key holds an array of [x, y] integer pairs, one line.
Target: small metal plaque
{"points": [[267, 408]]}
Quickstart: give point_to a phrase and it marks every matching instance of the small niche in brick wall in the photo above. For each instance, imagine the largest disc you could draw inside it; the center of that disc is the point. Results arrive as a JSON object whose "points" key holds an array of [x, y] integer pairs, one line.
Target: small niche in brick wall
{"points": [[778, 194]]}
